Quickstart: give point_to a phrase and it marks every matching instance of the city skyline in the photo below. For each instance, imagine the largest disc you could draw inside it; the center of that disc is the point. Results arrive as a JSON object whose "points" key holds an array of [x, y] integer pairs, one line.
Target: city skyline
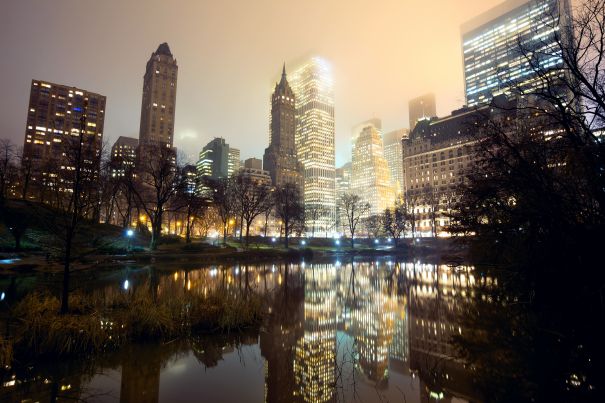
{"points": [[213, 84]]}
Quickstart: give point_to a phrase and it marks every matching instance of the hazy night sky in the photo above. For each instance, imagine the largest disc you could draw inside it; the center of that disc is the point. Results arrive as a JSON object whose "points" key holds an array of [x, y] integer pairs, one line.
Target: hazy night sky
{"points": [[383, 53]]}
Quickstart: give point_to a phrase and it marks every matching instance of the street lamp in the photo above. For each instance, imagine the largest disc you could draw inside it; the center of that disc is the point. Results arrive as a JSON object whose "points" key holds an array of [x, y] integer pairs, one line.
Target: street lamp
{"points": [[129, 235]]}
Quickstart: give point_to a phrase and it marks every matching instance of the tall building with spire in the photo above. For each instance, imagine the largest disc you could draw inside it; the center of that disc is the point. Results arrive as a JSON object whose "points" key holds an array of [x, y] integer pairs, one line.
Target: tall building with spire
{"points": [[159, 98], [313, 88], [280, 157]]}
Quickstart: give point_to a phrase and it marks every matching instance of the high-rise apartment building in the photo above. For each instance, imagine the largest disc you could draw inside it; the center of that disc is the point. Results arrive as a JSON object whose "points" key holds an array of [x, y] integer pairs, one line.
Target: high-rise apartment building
{"points": [[159, 98], [280, 157], [55, 117], [393, 153], [421, 108], [498, 45], [313, 87], [233, 163], [370, 176], [123, 155]]}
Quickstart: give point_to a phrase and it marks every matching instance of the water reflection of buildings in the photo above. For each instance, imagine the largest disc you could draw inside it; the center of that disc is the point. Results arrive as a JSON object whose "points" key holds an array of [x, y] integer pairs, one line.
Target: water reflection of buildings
{"points": [[371, 303], [315, 351], [401, 317], [282, 328], [438, 296]]}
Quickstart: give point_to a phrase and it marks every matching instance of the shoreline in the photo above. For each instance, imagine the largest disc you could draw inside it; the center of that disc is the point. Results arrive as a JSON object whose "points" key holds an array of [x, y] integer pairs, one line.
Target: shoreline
{"points": [[31, 264]]}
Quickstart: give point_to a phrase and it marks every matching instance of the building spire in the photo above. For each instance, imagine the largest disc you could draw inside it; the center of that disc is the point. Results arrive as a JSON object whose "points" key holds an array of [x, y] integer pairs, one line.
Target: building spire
{"points": [[283, 73]]}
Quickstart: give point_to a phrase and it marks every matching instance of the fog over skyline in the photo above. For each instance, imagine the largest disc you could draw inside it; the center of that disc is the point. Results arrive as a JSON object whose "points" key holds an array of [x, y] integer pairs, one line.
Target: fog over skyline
{"points": [[229, 53]]}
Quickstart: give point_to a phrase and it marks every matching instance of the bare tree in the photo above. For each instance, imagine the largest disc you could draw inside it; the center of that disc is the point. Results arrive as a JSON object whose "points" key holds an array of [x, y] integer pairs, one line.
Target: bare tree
{"points": [[25, 173], [289, 208], [190, 202], [207, 220], [354, 209], [313, 213], [224, 201], [74, 190], [253, 199], [7, 167], [395, 220], [157, 182]]}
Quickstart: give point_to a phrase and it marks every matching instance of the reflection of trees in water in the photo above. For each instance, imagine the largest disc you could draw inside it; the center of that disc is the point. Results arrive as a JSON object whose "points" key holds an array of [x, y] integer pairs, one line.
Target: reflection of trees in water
{"points": [[522, 350]]}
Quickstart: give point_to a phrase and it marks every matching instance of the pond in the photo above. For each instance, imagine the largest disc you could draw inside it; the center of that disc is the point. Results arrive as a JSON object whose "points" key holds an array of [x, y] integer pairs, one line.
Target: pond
{"points": [[379, 331]]}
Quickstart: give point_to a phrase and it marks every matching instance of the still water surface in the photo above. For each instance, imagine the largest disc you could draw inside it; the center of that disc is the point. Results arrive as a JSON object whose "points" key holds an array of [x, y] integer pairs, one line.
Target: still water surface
{"points": [[364, 331]]}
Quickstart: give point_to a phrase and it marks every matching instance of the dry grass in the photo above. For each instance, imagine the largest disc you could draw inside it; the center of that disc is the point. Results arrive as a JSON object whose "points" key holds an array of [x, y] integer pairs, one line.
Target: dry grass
{"points": [[94, 326]]}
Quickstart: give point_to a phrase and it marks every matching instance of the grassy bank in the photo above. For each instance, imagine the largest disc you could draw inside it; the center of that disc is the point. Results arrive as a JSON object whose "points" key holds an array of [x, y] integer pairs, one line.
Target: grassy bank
{"points": [[101, 324]]}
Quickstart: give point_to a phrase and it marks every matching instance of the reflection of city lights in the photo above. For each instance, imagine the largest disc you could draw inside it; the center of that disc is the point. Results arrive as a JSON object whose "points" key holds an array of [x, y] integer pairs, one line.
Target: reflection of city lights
{"points": [[188, 284]]}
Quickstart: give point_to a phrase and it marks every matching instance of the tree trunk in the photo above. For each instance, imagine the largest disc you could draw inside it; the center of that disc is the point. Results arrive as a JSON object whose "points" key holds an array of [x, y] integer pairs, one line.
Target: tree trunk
{"points": [[248, 233], [66, 267], [156, 229], [286, 234], [225, 233]]}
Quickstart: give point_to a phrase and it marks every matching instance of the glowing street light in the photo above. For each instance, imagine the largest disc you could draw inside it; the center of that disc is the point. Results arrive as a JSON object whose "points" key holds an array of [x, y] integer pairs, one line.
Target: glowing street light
{"points": [[129, 235]]}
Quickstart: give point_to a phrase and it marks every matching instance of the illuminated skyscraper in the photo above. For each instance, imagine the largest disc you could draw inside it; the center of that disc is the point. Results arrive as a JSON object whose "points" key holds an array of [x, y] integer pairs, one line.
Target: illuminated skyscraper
{"points": [[420, 108], [393, 153], [159, 98], [313, 88], [233, 161], [280, 157], [370, 177], [493, 61], [213, 162]]}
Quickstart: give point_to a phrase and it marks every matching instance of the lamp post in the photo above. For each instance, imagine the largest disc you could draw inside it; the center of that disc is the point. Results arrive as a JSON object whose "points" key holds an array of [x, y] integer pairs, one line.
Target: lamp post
{"points": [[129, 235]]}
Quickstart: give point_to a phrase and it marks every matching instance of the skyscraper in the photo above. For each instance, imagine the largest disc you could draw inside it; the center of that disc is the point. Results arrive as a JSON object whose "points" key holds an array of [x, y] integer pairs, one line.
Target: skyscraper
{"points": [[493, 61], [313, 88], [370, 177], [233, 161], [393, 153], [423, 107], [214, 160], [280, 157], [54, 119], [159, 98]]}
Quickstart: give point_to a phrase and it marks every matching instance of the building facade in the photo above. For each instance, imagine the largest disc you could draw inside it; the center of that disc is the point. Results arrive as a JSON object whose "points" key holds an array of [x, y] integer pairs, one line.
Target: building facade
{"points": [[57, 116], [233, 162], [214, 160], [123, 155], [313, 88], [370, 174], [498, 44], [422, 108], [393, 153], [436, 159], [159, 98], [280, 157]]}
